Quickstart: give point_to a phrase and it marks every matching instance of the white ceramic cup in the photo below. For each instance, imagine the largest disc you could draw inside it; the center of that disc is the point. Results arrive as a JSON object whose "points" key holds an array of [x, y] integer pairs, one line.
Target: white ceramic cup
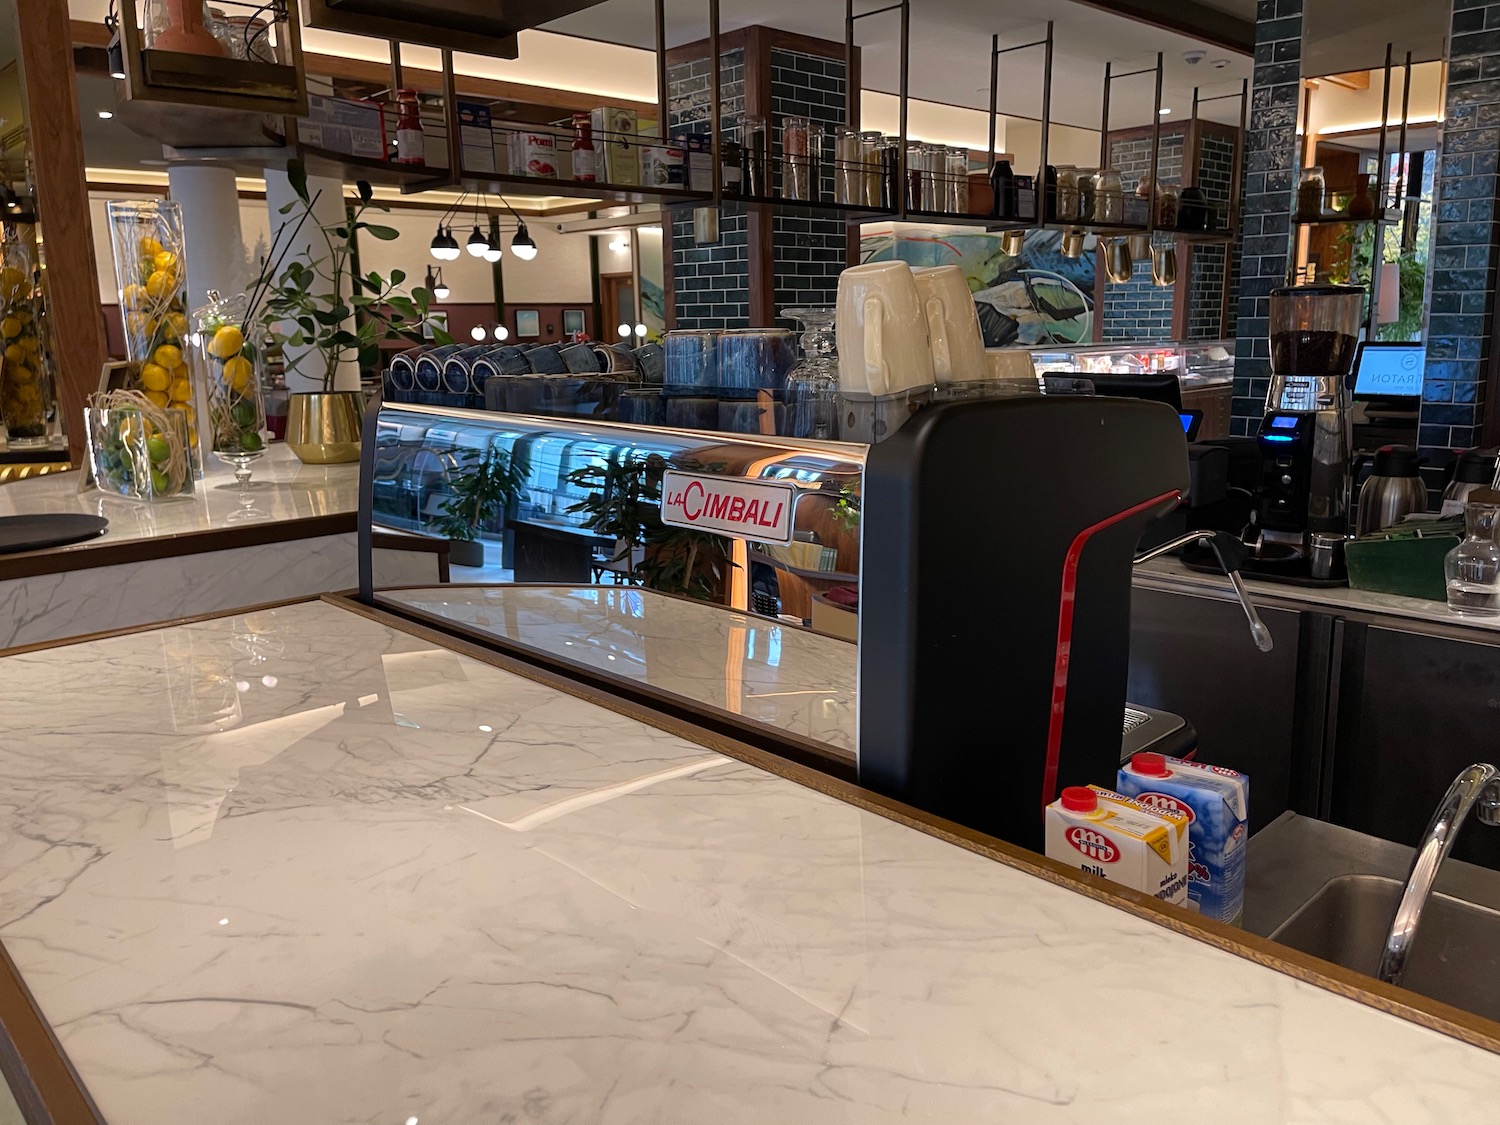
{"points": [[881, 331], [952, 324]]}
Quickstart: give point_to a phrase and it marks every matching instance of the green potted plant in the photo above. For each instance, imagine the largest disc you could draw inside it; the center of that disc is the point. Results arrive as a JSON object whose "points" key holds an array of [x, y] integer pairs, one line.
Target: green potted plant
{"points": [[624, 504], [481, 485], [322, 314]]}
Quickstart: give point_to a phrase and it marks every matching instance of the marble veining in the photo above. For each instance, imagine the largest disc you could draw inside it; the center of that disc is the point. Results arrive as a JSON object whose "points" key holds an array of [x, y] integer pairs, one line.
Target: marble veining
{"points": [[282, 489], [763, 670], [295, 867], [71, 603]]}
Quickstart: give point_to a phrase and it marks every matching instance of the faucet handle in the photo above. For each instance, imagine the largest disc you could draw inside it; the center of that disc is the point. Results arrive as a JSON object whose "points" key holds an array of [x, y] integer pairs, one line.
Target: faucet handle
{"points": [[1487, 808]]}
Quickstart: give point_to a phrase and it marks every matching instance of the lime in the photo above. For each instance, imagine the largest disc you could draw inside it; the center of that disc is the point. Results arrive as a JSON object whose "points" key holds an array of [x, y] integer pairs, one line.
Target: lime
{"points": [[243, 413], [158, 449], [160, 482], [250, 442]]}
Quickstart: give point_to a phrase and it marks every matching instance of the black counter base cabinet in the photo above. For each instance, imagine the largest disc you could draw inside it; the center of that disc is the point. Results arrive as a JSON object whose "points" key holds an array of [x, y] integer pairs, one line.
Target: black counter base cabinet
{"points": [[1359, 721]]}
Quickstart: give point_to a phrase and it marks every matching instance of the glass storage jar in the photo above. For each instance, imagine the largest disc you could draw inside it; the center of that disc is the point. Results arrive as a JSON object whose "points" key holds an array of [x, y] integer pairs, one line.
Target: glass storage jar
{"points": [[1312, 191], [1109, 197], [1067, 192]]}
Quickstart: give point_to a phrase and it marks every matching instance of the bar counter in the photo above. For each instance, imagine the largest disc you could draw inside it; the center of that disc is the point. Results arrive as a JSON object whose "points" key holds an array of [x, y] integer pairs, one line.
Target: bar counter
{"points": [[290, 535], [307, 865]]}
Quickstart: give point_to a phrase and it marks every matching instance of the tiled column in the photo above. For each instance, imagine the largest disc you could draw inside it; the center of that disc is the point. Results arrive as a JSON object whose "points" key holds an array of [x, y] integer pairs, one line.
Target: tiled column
{"points": [[766, 258], [1271, 158], [711, 283], [1459, 350]]}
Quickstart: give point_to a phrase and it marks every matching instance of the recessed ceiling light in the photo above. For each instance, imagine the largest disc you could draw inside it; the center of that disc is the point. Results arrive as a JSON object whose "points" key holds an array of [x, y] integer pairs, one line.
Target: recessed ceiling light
{"points": [[1164, 111], [105, 115]]}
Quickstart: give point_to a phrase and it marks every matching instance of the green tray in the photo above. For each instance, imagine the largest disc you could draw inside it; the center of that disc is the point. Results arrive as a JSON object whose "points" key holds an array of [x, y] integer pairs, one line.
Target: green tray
{"points": [[1407, 561]]}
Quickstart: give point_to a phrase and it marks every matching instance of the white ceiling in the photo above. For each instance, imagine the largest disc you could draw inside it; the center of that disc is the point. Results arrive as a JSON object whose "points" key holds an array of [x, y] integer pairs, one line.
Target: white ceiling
{"points": [[950, 50]]}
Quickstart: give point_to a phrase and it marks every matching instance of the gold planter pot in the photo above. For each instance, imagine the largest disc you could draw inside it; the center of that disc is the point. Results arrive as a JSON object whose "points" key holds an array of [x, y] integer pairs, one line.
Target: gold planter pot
{"points": [[323, 428]]}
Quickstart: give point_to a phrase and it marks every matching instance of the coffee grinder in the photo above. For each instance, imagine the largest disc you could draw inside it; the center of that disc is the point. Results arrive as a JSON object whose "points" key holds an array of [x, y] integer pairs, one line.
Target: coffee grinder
{"points": [[1307, 437]]}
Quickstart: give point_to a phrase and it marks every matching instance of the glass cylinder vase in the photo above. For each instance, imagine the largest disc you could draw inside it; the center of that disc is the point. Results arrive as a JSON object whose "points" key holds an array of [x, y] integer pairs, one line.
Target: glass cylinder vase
{"points": [[27, 398], [236, 413], [151, 272]]}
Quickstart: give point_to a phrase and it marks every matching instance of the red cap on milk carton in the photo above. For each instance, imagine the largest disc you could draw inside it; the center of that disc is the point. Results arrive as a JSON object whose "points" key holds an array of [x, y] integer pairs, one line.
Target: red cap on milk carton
{"points": [[1149, 764], [1079, 798]]}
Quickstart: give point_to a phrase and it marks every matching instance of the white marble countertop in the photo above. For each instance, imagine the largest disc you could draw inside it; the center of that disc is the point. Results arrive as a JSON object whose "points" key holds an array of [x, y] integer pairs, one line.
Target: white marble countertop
{"points": [[776, 674], [1170, 574], [296, 867], [282, 489]]}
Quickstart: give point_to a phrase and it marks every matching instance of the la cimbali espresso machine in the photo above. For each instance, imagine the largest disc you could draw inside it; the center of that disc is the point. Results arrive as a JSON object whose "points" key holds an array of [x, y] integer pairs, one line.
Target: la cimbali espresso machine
{"points": [[1307, 436]]}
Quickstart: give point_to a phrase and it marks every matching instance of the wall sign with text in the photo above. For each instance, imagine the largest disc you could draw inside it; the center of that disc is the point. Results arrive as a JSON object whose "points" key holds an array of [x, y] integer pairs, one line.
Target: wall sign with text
{"points": [[760, 511]]}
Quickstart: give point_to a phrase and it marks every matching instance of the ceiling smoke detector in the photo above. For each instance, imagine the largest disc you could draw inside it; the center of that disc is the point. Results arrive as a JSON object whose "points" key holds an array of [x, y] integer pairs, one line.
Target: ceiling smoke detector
{"points": [[1194, 57], [1219, 64]]}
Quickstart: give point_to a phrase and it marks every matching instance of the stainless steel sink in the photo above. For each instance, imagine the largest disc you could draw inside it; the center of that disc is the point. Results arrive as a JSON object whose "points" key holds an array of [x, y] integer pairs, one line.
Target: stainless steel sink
{"points": [[1456, 957]]}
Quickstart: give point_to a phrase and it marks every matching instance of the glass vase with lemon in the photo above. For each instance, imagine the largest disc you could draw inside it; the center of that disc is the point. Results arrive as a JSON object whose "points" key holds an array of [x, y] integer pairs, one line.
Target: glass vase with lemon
{"points": [[236, 418], [150, 268]]}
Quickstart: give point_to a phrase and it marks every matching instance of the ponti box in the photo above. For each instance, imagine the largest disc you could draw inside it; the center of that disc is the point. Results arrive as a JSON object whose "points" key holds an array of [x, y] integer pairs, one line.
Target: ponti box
{"points": [[1217, 803], [1110, 835]]}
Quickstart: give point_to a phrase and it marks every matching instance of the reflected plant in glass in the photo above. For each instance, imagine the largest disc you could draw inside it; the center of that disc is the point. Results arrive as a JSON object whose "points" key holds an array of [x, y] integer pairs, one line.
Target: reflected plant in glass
{"points": [[482, 484]]}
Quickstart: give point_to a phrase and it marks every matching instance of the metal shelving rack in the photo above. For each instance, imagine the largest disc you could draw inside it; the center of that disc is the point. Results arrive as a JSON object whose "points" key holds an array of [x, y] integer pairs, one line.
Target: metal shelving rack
{"points": [[1385, 214]]}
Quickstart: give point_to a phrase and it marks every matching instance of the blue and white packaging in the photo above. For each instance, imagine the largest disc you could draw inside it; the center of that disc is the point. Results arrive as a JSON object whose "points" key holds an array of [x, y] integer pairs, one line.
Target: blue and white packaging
{"points": [[1218, 801]]}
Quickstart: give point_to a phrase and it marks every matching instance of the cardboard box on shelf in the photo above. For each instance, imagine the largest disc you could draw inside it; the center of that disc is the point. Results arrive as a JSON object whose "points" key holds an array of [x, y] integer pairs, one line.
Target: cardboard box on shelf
{"points": [[475, 133], [352, 128], [616, 144]]}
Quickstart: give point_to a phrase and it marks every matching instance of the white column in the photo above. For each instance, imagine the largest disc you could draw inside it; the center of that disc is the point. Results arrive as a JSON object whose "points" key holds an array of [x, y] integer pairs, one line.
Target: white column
{"points": [[328, 211], [211, 230]]}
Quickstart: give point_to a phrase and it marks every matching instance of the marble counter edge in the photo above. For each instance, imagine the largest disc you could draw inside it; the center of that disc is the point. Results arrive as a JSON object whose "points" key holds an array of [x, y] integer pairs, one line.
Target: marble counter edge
{"points": [[1388, 999], [104, 552]]}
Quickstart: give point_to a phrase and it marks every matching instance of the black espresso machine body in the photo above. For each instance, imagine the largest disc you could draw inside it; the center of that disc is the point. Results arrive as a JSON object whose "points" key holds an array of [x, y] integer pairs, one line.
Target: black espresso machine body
{"points": [[998, 542]]}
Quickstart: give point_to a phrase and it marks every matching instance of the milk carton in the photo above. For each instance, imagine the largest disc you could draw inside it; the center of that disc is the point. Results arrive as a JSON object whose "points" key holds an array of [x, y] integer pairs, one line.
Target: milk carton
{"points": [[1217, 801], [1109, 835]]}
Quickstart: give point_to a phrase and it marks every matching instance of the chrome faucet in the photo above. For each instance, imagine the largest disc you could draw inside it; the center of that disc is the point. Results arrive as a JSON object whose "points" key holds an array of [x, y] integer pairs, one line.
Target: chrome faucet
{"points": [[1230, 555], [1478, 787]]}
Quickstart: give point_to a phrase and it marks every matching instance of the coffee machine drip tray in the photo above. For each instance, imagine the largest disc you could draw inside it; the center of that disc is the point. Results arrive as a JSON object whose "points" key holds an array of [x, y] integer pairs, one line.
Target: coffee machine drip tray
{"points": [[1273, 562]]}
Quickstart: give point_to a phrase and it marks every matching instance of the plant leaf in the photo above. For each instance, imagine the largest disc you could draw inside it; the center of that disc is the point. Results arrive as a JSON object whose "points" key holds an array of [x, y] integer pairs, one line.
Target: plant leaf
{"points": [[366, 193], [397, 277], [385, 234], [296, 175]]}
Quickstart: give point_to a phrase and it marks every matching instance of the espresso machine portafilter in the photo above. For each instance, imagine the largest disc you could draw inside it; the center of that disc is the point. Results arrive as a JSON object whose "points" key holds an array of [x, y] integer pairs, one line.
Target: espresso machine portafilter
{"points": [[1306, 438]]}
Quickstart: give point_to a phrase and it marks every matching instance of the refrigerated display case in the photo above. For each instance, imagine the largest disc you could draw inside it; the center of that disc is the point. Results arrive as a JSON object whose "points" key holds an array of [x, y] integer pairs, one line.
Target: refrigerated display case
{"points": [[1205, 368]]}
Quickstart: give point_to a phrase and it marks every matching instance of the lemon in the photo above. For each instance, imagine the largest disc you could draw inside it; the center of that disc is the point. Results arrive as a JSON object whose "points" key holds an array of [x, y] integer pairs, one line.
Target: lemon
{"points": [[11, 280], [10, 328], [165, 261], [15, 353], [227, 342], [24, 316], [154, 377], [169, 356], [31, 344], [158, 398], [237, 373], [180, 391], [159, 285], [149, 247], [177, 325], [22, 374], [186, 408], [133, 296]]}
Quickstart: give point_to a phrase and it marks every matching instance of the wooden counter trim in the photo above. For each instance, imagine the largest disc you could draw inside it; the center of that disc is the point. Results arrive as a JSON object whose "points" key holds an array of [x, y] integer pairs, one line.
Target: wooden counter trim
{"points": [[47, 1089], [56, 560], [1432, 1014]]}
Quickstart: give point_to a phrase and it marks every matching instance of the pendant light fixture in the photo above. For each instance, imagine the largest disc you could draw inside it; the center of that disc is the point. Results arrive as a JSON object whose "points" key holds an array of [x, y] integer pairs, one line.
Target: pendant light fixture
{"points": [[522, 246], [493, 253], [478, 245], [435, 284]]}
